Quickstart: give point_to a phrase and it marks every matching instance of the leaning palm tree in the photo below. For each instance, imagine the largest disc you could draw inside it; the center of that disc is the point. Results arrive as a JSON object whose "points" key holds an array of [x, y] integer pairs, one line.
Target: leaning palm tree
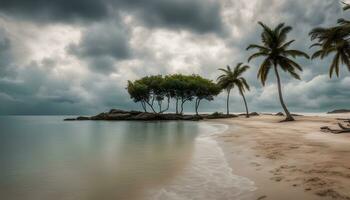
{"points": [[276, 53], [334, 40], [230, 79]]}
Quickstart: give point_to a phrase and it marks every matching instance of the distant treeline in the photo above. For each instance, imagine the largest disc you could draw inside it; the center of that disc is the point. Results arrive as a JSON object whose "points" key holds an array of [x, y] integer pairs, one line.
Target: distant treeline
{"points": [[159, 90]]}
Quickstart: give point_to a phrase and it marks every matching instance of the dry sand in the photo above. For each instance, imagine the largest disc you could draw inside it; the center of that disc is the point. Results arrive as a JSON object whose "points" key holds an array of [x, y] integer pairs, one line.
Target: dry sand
{"points": [[292, 160]]}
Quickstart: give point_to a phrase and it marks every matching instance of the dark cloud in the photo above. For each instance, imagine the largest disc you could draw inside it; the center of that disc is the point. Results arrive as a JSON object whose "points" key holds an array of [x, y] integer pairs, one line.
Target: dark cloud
{"points": [[103, 40], [202, 16], [55, 10], [5, 53], [102, 45]]}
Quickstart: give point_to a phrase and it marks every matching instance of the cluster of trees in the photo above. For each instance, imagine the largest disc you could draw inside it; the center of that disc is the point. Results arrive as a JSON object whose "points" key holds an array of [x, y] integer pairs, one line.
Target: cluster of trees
{"points": [[152, 90], [277, 55]]}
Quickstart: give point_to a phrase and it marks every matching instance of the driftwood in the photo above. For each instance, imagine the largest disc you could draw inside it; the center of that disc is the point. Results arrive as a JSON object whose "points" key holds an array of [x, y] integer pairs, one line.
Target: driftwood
{"points": [[342, 129], [344, 120]]}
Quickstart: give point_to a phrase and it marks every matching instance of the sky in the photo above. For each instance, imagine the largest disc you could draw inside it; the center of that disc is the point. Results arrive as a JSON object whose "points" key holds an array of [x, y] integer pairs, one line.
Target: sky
{"points": [[63, 57]]}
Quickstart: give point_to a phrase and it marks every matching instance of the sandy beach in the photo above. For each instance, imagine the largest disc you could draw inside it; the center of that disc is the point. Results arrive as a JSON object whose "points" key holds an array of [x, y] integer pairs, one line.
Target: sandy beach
{"points": [[293, 160]]}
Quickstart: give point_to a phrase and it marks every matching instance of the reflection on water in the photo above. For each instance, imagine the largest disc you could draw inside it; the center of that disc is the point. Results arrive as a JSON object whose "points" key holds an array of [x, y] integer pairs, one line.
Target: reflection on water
{"points": [[46, 158]]}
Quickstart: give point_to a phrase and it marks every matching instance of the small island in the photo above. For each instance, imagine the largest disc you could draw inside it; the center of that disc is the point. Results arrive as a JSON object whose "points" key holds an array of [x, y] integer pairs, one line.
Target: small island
{"points": [[157, 92], [122, 115], [339, 111]]}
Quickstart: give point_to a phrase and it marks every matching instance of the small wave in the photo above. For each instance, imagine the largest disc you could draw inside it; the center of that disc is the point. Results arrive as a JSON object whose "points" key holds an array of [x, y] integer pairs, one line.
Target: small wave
{"points": [[208, 175]]}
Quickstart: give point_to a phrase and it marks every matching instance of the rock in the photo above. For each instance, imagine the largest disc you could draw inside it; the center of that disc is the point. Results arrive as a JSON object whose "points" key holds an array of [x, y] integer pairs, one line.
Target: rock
{"points": [[145, 116], [192, 117], [133, 112], [339, 111], [117, 111], [101, 116], [217, 115], [279, 114], [81, 118], [253, 114], [70, 119], [117, 114], [120, 116]]}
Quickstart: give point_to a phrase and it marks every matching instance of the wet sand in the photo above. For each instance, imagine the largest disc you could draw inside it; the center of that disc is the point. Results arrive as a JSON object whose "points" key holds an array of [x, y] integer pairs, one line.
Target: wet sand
{"points": [[292, 160]]}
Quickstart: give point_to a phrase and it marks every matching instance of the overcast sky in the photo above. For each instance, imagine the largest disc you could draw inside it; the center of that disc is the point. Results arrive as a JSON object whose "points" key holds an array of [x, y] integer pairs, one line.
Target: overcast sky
{"points": [[75, 57]]}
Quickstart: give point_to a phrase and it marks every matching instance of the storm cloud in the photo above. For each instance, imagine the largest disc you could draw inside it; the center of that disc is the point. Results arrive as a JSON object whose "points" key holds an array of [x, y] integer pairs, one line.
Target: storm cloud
{"points": [[198, 15], [75, 57]]}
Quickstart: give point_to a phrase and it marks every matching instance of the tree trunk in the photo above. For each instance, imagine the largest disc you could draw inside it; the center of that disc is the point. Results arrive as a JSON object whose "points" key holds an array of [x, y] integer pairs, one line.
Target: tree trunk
{"points": [[160, 106], [182, 106], [289, 116], [228, 101], [197, 105], [167, 107], [151, 106], [152, 101], [245, 103], [144, 106], [177, 105]]}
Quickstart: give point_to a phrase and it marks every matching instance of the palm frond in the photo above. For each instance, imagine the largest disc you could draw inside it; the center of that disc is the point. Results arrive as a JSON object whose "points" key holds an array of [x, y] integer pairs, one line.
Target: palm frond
{"points": [[317, 54], [293, 63], [286, 45], [296, 53], [334, 66], [264, 70], [259, 47], [256, 55]]}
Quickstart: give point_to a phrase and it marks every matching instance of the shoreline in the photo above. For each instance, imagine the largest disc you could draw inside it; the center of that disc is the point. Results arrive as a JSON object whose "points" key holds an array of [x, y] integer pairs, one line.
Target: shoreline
{"points": [[288, 159]]}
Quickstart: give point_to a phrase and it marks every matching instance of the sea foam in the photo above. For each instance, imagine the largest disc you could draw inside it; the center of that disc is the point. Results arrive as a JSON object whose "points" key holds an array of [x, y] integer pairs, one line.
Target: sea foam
{"points": [[208, 175]]}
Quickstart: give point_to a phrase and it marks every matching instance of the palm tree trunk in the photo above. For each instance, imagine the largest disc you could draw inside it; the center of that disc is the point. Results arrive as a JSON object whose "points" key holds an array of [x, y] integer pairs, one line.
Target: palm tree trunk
{"points": [[289, 116], [246, 105], [227, 101]]}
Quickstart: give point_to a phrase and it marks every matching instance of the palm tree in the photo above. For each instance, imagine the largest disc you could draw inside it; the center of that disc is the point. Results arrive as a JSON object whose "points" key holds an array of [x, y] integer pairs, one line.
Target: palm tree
{"points": [[230, 79], [276, 53], [333, 40]]}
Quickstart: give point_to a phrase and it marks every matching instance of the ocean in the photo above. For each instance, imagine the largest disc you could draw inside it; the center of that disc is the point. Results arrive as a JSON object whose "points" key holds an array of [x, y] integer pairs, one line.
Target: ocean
{"points": [[44, 157]]}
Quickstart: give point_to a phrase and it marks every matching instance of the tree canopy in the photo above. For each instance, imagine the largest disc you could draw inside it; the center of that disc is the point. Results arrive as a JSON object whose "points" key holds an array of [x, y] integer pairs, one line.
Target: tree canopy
{"points": [[181, 88], [333, 40]]}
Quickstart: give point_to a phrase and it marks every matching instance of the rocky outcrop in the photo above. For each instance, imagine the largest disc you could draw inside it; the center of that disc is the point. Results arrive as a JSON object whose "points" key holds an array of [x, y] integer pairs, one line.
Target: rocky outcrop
{"points": [[282, 114], [219, 116], [252, 114], [122, 115], [279, 114], [339, 111]]}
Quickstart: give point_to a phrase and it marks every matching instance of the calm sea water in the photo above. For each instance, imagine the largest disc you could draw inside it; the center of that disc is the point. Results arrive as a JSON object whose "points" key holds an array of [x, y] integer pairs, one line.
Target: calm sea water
{"points": [[43, 157]]}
